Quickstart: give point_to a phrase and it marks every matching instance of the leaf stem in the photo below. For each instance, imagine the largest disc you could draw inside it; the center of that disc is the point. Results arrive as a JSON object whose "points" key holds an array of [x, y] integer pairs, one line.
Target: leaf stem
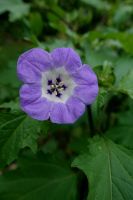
{"points": [[90, 120]]}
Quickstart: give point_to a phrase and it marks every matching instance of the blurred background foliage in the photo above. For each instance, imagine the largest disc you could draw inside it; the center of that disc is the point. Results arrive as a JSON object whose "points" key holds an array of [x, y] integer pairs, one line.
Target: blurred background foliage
{"points": [[101, 32]]}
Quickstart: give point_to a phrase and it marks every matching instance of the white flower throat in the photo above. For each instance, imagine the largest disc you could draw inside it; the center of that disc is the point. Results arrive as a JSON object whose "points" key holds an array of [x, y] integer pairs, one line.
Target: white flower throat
{"points": [[57, 85]]}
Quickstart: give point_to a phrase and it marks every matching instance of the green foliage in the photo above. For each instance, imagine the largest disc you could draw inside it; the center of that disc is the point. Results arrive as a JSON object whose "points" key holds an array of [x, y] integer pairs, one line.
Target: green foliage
{"points": [[42, 177], [36, 23], [16, 132], [122, 67], [17, 8], [101, 5], [123, 14], [122, 131], [105, 165], [126, 84], [12, 105]]}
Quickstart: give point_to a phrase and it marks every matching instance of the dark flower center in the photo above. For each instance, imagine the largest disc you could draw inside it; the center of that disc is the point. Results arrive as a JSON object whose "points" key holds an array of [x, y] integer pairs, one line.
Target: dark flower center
{"points": [[56, 87]]}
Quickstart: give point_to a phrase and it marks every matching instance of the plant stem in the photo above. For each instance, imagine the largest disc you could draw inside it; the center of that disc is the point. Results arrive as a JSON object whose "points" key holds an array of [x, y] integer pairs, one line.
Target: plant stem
{"points": [[90, 120]]}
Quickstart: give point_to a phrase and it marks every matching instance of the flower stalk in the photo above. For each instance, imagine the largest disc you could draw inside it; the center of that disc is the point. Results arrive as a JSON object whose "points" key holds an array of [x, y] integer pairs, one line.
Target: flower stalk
{"points": [[90, 120]]}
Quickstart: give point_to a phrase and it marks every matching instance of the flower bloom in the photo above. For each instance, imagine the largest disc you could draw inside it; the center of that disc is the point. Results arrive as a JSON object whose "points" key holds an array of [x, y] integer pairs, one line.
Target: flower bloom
{"points": [[56, 85]]}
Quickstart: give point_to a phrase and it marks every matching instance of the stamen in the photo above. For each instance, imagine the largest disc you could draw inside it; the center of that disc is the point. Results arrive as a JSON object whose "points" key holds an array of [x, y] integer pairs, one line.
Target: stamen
{"points": [[49, 82], [58, 80], [56, 88], [55, 92], [60, 89], [64, 87], [52, 86], [59, 95], [61, 84], [49, 91]]}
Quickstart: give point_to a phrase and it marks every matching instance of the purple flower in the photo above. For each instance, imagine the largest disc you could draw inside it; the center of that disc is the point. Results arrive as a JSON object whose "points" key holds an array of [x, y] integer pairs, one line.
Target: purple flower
{"points": [[56, 84]]}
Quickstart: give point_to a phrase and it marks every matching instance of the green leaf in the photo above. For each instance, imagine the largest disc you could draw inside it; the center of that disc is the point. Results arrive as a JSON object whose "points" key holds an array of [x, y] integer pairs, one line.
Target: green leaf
{"points": [[41, 178], [101, 5], [16, 132], [12, 105], [122, 132], [17, 8], [98, 107], [126, 84], [99, 57], [125, 39], [36, 23], [8, 75], [123, 14], [109, 169], [122, 67], [105, 75]]}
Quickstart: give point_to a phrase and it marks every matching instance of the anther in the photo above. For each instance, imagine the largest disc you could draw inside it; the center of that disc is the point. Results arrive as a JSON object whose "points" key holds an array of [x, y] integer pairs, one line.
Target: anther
{"points": [[49, 82], [58, 80], [56, 87]]}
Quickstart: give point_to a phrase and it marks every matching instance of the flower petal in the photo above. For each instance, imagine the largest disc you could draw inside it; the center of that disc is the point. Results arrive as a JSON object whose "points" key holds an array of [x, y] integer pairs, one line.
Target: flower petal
{"points": [[39, 109], [67, 113], [30, 93], [32, 62], [66, 57], [28, 73], [86, 93], [75, 107], [85, 75]]}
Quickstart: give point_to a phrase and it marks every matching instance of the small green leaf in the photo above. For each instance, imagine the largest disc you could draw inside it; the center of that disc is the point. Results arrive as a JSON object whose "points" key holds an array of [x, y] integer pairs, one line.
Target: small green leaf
{"points": [[12, 105], [126, 84], [125, 39], [39, 178], [17, 8], [105, 75], [122, 67], [16, 132], [36, 23], [109, 169], [98, 107], [123, 14], [100, 56], [101, 5]]}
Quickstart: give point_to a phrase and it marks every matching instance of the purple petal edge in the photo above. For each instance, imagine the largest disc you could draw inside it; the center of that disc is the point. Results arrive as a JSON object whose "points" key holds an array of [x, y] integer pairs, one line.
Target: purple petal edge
{"points": [[67, 113], [66, 57]]}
